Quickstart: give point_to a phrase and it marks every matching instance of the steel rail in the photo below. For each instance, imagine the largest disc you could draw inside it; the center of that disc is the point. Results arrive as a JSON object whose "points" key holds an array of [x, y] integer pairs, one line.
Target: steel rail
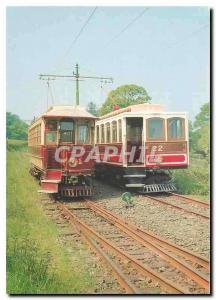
{"points": [[146, 271], [190, 200], [193, 257], [121, 278], [124, 282], [177, 207], [172, 260]]}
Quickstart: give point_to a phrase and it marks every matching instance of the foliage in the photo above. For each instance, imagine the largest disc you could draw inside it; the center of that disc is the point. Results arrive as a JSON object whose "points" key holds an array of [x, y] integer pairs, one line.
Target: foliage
{"points": [[92, 108], [200, 132], [203, 117], [124, 96], [36, 262], [15, 127], [202, 143], [194, 180]]}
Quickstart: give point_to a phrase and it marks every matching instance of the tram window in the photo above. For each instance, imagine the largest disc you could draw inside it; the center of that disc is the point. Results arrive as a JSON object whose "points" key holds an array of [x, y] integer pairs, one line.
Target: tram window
{"points": [[51, 137], [83, 134], [51, 132], [114, 131], [97, 134], [107, 132], [102, 134], [52, 125], [175, 128], [120, 130], [67, 132], [67, 125], [155, 129], [92, 130]]}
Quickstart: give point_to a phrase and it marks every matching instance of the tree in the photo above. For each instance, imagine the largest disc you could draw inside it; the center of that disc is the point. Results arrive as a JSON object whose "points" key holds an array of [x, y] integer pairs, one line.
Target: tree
{"points": [[124, 96], [191, 133], [203, 146], [200, 134], [203, 116], [92, 108], [15, 127]]}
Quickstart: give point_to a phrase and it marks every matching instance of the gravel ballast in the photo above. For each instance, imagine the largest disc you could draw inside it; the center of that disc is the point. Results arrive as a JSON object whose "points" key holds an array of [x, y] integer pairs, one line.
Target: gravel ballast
{"points": [[183, 229]]}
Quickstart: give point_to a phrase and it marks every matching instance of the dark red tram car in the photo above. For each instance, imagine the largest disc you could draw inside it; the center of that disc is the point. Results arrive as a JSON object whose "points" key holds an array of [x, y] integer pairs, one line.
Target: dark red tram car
{"points": [[51, 139], [139, 145]]}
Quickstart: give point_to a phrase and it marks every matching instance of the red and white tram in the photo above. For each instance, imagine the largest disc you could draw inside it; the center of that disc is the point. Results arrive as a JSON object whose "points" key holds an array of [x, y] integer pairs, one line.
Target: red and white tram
{"points": [[140, 144], [51, 139]]}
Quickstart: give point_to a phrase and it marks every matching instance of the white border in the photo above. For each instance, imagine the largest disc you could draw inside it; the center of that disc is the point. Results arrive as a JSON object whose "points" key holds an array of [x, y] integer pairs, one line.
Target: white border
{"points": [[3, 4]]}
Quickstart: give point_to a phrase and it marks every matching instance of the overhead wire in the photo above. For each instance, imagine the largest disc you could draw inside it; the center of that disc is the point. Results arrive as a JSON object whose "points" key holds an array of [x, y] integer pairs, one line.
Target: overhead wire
{"points": [[49, 93], [124, 29], [129, 24], [78, 35], [188, 36]]}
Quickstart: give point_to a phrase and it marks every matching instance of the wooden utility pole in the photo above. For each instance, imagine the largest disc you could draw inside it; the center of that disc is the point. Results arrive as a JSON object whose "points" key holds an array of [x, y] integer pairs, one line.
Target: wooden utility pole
{"points": [[77, 77]]}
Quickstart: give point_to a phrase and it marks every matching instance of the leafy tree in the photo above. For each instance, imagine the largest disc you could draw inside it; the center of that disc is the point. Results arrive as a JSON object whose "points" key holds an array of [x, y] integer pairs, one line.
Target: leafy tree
{"points": [[203, 146], [203, 116], [15, 127], [124, 96], [92, 108], [200, 134], [191, 133]]}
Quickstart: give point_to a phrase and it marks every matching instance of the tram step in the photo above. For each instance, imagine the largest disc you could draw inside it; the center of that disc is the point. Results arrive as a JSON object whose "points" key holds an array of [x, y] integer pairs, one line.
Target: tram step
{"points": [[134, 185], [46, 191], [158, 188], [135, 175], [50, 181]]}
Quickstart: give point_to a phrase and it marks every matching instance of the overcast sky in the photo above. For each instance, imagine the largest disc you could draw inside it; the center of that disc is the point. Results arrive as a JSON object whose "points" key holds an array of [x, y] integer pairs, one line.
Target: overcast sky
{"points": [[166, 51]]}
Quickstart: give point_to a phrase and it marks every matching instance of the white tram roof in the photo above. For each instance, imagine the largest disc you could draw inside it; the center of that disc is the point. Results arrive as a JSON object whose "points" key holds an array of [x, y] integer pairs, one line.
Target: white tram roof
{"points": [[145, 107], [139, 110], [68, 111]]}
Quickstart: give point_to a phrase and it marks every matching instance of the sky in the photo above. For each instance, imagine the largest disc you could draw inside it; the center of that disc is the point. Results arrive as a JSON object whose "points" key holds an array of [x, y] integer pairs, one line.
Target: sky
{"points": [[166, 50]]}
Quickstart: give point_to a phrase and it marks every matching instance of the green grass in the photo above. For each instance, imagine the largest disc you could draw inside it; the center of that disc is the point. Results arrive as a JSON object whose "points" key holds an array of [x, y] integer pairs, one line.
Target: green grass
{"points": [[195, 180], [17, 145], [36, 262]]}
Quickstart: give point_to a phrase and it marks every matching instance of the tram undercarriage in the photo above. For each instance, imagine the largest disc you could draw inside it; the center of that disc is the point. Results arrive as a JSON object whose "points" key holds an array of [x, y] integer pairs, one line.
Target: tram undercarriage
{"points": [[141, 179]]}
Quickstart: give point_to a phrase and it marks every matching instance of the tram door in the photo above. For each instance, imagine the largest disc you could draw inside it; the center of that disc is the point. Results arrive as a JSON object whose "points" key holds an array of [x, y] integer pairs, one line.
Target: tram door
{"points": [[134, 138]]}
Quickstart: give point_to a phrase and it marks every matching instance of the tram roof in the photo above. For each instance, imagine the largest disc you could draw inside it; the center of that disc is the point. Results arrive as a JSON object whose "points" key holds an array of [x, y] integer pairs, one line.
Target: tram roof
{"points": [[144, 107], [69, 111]]}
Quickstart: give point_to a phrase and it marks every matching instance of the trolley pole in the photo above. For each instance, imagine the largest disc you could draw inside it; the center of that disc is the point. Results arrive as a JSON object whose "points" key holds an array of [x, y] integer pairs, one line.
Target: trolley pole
{"points": [[77, 84]]}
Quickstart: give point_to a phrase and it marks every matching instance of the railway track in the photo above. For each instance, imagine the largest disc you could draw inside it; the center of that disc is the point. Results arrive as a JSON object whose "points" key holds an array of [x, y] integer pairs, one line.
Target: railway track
{"points": [[184, 204], [191, 200], [141, 262]]}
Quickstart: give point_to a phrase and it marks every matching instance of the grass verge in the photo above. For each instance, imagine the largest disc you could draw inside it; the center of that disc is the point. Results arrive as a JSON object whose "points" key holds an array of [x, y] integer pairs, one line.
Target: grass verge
{"points": [[17, 145], [193, 181], [36, 262]]}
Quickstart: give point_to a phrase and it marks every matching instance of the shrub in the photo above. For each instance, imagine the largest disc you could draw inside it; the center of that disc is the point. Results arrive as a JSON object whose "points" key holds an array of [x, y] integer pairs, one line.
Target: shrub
{"points": [[192, 181]]}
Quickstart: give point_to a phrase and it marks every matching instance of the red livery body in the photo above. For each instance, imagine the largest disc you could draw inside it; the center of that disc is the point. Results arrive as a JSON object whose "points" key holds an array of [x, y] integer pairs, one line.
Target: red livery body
{"points": [[51, 140], [147, 143], [135, 147]]}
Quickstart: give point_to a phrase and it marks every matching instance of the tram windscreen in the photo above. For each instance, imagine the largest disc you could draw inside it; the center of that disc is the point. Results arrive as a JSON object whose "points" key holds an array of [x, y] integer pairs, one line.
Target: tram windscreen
{"points": [[155, 128], [175, 128], [83, 134], [67, 132]]}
